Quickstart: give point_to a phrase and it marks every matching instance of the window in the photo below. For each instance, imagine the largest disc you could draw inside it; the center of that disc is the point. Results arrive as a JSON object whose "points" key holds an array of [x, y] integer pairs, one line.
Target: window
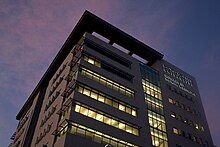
{"points": [[107, 82], [175, 131], [187, 121], [107, 119], [170, 100], [153, 100], [173, 114], [100, 49], [121, 107], [96, 136], [104, 98]]}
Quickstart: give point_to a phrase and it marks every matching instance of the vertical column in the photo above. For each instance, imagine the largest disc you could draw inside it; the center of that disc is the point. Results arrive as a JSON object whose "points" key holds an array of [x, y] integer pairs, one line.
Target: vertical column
{"points": [[154, 102]]}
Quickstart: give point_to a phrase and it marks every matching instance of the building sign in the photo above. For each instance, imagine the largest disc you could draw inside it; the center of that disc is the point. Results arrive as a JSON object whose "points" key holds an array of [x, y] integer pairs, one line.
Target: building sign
{"points": [[177, 75], [177, 79]]}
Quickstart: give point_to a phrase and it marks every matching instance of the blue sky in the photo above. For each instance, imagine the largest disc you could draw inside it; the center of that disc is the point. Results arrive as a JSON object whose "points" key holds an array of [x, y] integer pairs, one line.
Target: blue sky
{"points": [[32, 32]]}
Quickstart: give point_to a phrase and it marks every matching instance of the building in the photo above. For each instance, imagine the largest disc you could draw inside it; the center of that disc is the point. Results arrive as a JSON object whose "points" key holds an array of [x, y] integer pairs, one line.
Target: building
{"points": [[97, 92]]}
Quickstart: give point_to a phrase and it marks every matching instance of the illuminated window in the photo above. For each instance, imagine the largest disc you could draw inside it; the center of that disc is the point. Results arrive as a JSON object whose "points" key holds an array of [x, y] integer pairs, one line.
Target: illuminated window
{"points": [[121, 126], [173, 114], [133, 113], [128, 129], [170, 100], [86, 92], [153, 100], [94, 95], [98, 136], [99, 117], [115, 123], [101, 97], [92, 114], [121, 107], [175, 131], [107, 82], [77, 108], [107, 119], [83, 111]]}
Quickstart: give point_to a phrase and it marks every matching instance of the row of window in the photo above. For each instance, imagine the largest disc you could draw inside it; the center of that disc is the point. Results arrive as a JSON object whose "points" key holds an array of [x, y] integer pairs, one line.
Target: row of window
{"points": [[179, 92], [94, 135], [104, 98], [113, 56], [107, 82], [50, 113], [91, 60], [151, 89], [102, 64], [183, 106], [156, 121], [154, 104], [153, 99], [187, 121], [107, 119], [42, 135], [158, 137], [189, 136]]}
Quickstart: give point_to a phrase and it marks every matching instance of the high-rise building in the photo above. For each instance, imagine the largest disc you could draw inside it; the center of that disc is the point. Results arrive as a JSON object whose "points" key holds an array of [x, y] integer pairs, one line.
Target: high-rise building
{"points": [[106, 88]]}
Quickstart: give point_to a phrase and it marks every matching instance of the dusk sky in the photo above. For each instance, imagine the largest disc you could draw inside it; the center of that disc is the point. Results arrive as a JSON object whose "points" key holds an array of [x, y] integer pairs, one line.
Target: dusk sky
{"points": [[32, 32]]}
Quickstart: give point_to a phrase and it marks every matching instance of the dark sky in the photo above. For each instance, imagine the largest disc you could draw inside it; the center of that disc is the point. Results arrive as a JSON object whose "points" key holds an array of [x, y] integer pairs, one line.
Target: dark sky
{"points": [[32, 32]]}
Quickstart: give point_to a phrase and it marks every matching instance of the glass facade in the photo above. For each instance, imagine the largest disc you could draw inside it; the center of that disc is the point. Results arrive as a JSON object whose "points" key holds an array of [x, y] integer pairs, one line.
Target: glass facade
{"points": [[153, 100]]}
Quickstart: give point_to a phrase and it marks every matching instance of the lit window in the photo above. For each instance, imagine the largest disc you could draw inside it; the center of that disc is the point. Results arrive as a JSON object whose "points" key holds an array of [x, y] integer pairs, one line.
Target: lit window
{"points": [[92, 114], [99, 117], [115, 104], [101, 98], [133, 113], [128, 110], [122, 126], [128, 129], [107, 120], [135, 131], [197, 126], [77, 108], [91, 61], [84, 111], [94, 95], [121, 107], [98, 64], [115, 123], [108, 101], [173, 114], [80, 89], [175, 130], [170, 100], [86, 92]]}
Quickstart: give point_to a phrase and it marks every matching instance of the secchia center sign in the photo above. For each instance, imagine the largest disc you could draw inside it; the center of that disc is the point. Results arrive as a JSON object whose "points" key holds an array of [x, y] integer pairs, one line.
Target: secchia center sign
{"points": [[177, 79]]}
